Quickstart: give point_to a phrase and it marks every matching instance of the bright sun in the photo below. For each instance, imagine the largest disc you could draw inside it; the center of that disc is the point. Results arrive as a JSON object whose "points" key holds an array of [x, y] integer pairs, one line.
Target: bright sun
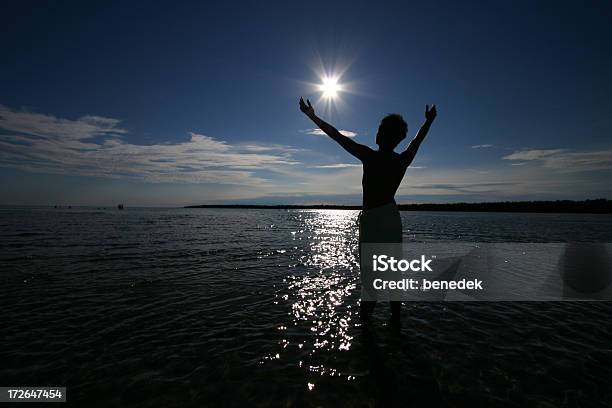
{"points": [[330, 87]]}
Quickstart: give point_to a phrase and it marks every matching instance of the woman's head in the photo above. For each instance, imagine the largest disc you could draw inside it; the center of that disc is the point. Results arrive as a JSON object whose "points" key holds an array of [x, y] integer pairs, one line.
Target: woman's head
{"points": [[391, 132]]}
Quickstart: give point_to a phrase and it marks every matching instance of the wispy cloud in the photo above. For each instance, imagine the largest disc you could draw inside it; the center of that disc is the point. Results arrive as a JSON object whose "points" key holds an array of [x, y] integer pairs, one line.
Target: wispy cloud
{"points": [[482, 146], [96, 146], [319, 132], [337, 166], [533, 154], [564, 160], [353, 165], [467, 188]]}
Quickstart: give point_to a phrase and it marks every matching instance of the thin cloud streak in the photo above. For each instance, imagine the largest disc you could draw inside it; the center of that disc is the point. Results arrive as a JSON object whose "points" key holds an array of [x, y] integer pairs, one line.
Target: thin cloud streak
{"points": [[564, 160], [337, 166], [319, 132]]}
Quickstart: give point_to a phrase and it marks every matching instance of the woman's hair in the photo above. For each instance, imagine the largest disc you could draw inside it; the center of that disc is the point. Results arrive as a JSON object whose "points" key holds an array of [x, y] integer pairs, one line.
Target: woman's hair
{"points": [[392, 130]]}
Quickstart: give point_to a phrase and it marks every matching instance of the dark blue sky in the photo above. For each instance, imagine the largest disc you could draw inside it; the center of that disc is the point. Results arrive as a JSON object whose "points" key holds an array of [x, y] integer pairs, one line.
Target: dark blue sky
{"points": [[100, 100]]}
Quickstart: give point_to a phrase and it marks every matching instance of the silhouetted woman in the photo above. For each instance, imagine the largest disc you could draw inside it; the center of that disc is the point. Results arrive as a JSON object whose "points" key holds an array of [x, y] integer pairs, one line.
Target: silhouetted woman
{"points": [[383, 171]]}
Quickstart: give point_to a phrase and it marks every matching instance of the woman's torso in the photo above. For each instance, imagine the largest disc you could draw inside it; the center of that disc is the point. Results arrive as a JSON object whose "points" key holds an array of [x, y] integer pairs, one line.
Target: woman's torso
{"points": [[382, 175]]}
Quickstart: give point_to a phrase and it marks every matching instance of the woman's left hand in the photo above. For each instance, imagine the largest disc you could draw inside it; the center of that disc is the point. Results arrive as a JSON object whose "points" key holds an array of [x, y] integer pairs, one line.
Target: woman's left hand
{"points": [[430, 114]]}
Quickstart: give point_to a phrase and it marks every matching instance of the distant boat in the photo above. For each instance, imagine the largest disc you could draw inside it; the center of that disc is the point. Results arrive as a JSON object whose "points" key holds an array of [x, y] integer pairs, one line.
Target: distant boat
{"points": [[120, 207]]}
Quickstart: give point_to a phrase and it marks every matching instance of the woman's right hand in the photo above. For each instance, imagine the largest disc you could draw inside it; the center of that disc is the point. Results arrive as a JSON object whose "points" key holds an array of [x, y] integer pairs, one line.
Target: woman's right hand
{"points": [[307, 108]]}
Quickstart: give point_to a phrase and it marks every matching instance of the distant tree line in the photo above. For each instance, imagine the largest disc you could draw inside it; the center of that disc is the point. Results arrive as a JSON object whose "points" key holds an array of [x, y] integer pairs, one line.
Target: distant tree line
{"points": [[597, 206]]}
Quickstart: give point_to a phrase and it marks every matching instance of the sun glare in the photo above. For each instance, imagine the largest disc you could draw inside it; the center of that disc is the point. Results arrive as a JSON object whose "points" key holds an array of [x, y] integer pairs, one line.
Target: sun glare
{"points": [[330, 87]]}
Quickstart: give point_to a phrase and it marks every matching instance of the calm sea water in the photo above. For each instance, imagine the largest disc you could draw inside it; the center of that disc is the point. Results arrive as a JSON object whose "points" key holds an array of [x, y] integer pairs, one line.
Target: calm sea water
{"points": [[205, 307]]}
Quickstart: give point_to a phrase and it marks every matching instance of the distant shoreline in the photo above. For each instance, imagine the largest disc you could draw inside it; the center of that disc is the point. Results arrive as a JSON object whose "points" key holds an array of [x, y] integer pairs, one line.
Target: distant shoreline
{"points": [[598, 206]]}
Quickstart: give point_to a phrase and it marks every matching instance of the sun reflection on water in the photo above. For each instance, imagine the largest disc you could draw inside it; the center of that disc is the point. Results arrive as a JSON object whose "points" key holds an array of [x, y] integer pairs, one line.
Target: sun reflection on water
{"points": [[321, 289]]}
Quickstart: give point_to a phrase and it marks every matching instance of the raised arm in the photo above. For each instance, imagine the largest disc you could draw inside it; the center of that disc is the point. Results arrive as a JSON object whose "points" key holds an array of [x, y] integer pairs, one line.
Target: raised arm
{"points": [[358, 150], [408, 155]]}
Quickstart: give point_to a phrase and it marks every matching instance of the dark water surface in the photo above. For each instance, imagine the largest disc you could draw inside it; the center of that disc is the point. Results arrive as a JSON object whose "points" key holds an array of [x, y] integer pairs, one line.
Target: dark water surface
{"points": [[233, 307]]}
